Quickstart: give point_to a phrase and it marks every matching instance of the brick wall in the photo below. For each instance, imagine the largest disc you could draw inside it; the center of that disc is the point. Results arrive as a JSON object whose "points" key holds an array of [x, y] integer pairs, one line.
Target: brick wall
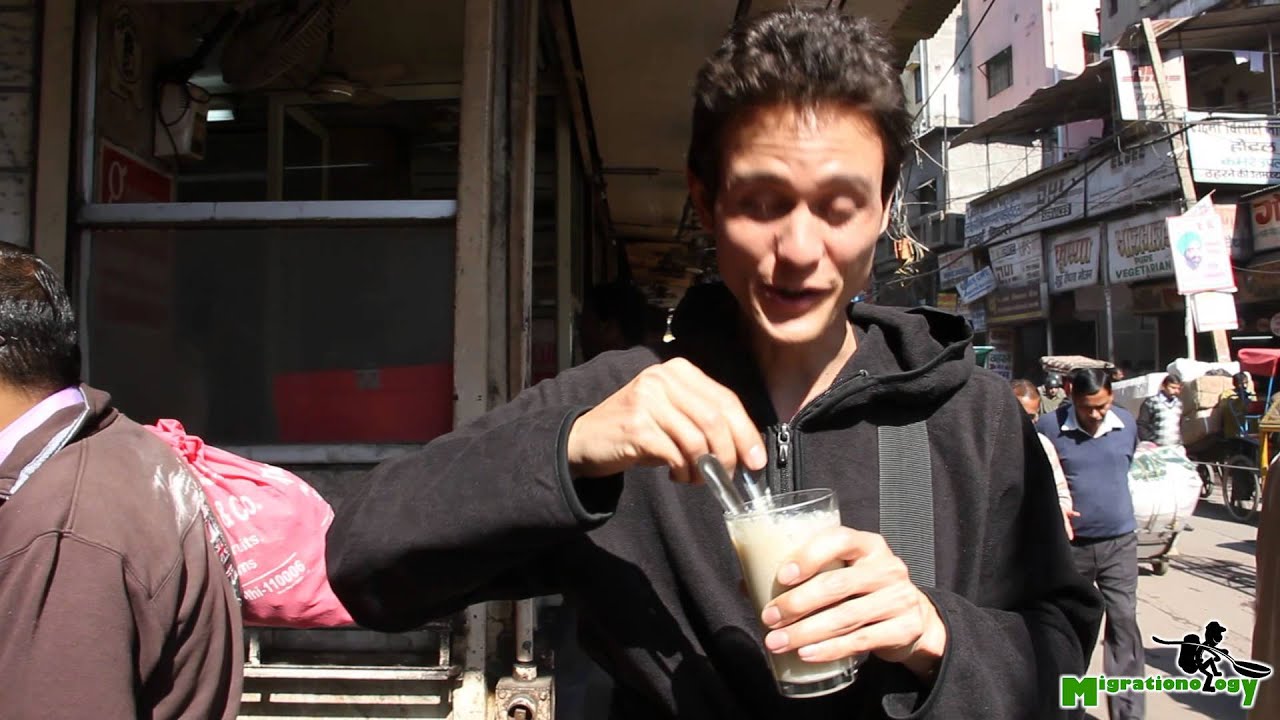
{"points": [[18, 33]]}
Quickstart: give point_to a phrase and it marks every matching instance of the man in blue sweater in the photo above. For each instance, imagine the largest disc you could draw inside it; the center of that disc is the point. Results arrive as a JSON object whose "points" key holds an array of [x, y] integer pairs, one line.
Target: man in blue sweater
{"points": [[1095, 443]]}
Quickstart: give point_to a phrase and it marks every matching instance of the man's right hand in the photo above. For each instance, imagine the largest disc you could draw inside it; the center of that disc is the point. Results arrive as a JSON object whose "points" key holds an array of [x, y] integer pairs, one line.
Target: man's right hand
{"points": [[670, 414]]}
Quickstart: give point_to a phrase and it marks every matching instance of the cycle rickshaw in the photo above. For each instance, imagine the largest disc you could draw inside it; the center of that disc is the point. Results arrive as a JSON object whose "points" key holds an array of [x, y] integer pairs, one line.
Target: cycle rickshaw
{"points": [[1237, 458]]}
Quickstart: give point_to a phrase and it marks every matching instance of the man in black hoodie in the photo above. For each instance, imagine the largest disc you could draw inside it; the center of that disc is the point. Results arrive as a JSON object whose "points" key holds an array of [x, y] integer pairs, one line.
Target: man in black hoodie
{"points": [[582, 484]]}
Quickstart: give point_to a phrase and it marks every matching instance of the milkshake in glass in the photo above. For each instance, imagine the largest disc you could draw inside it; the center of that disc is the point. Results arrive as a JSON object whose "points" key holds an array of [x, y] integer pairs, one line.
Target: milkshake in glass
{"points": [[769, 531]]}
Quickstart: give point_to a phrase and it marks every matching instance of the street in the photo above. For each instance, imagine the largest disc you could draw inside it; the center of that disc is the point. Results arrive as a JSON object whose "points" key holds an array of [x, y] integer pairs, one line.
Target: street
{"points": [[1211, 578]]}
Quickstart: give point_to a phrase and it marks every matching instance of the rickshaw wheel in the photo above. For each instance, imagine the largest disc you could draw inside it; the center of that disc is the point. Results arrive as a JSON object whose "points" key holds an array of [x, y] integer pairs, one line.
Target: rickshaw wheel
{"points": [[1240, 488], [1208, 476]]}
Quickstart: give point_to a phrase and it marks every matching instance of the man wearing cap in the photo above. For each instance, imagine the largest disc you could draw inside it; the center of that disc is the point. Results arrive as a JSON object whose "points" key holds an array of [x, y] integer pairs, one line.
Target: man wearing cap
{"points": [[1051, 395]]}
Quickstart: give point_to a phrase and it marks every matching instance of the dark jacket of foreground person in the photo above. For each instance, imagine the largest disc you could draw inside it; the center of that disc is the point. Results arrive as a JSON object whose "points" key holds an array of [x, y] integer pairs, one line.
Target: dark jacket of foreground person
{"points": [[490, 511]]}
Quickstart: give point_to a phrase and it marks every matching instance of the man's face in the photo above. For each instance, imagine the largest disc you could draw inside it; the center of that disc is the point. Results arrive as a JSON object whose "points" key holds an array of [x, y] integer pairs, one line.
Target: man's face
{"points": [[797, 216], [1030, 405], [1172, 389], [1091, 409]]}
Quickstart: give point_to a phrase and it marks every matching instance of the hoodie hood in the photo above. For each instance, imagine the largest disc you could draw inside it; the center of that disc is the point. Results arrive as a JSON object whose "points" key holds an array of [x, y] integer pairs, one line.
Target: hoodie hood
{"points": [[915, 356]]}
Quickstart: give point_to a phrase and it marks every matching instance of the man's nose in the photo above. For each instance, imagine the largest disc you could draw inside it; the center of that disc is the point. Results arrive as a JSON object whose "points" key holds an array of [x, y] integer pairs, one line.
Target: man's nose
{"points": [[799, 241]]}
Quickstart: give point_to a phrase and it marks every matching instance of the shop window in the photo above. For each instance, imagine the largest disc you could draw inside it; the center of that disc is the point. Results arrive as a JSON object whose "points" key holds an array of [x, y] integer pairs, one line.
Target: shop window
{"points": [[280, 335], [364, 109], [999, 71]]}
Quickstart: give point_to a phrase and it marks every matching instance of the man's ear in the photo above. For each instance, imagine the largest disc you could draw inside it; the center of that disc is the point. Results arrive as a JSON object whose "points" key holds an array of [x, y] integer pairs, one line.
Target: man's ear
{"points": [[889, 209], [701, 200]]}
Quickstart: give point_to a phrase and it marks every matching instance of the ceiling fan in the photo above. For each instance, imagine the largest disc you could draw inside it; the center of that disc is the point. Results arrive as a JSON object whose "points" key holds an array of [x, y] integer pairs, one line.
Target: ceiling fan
{"points": [[279, 39]]}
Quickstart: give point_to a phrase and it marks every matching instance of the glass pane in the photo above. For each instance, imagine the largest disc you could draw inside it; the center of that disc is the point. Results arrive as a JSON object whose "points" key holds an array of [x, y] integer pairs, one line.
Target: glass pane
{"points": [[205, 136], [290, 335]]}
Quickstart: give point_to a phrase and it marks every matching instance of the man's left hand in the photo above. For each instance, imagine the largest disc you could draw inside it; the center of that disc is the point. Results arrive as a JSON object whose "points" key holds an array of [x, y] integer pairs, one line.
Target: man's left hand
{"points": [[870, 605]]}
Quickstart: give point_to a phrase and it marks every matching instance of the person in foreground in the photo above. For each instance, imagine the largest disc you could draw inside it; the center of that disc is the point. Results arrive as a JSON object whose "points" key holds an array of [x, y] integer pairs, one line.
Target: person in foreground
{"points": [[584, 483], [114, 603]]}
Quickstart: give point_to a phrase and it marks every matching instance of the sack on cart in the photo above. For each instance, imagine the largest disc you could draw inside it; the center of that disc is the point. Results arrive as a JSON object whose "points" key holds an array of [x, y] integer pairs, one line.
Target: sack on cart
{"points": [[1164, 484], [274, 524]]}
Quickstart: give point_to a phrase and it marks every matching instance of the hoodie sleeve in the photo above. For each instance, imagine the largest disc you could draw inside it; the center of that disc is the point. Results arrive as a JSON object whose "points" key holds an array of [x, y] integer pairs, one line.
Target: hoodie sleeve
{"points": [[469, 517], [1036, 619]]}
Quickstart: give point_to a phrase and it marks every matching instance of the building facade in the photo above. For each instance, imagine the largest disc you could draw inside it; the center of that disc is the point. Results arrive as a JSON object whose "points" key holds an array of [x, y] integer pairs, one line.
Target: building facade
{"points": [[1080, 249]]}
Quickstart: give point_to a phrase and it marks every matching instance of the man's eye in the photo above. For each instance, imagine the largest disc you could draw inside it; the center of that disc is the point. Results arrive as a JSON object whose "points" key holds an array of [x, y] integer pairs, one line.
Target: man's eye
{"points": [[838, 210], [765, 206]]}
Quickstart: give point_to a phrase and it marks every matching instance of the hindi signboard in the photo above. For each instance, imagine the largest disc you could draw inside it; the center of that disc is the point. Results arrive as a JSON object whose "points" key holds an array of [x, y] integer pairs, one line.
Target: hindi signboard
{"points": [[1018, 262], [1265, 217], [1136, 87], [1000, 363], [954, 267], [1138, 247], [1072, 190], [1074, 258], [1008, 305], [977, 286], [1233, 149]]}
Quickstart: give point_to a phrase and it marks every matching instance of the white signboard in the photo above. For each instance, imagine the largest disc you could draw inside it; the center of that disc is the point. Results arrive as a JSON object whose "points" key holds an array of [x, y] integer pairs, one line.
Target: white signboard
{"points": [[1059, 198], [1214, 311], [1130, 176], [1233, 149], [1136, 87], [1138, 247], [1018, 262], [954, 267], [1000, 363], [1201, 255], [1052, 200], [1074, 258], [977, 286], [1265, 216]]}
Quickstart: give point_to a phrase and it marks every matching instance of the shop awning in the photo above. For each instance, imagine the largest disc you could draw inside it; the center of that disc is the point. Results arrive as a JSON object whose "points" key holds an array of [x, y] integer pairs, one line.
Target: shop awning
{"points": [[1239, 29], [1087, 96]]}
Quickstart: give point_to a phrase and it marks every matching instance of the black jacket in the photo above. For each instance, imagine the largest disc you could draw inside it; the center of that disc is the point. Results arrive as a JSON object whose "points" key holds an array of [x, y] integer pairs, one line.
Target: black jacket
{"points": [[490, 511]]}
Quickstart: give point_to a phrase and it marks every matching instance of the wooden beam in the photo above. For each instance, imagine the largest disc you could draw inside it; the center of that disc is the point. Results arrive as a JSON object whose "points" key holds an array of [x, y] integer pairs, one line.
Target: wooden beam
{"points": [[53, 133], [575, 90], [1182, 162], [524, 119], [471, 292]]}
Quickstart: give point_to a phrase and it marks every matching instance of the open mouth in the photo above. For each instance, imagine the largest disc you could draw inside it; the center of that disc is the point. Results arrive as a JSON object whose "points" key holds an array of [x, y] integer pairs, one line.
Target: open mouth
{"points": [[792, 296]]}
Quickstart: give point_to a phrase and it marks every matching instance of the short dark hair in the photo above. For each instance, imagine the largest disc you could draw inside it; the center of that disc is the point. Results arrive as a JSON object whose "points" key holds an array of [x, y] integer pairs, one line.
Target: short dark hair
{"points": [[800, 57], [39, 338], [1090, 381], [1024, 388]]}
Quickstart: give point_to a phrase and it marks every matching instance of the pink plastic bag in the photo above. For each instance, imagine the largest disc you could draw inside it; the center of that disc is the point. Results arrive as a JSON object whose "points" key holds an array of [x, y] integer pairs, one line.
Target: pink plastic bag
{"points": [[275, 523]]}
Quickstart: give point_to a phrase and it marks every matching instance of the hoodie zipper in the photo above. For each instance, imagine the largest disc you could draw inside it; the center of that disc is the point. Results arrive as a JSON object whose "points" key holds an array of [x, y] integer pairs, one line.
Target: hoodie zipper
{"points": [[784, 458], [788, 450]]}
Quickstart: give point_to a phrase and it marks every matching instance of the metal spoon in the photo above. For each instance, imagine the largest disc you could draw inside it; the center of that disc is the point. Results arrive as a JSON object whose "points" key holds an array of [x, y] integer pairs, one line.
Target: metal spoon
{"points": [[721, 484]]}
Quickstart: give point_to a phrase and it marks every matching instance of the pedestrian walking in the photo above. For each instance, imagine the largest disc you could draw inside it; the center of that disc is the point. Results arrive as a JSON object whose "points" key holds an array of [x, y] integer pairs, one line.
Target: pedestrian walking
{"points": [[1096, 443]]}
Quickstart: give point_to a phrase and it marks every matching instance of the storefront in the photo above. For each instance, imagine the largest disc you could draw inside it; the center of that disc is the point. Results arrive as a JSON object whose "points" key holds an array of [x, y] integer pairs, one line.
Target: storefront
{"points": [[322, 252]]}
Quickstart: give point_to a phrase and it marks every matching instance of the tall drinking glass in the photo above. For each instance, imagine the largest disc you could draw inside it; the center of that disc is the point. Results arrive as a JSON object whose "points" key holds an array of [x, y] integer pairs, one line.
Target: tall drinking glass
{"points": [[769, 531]]}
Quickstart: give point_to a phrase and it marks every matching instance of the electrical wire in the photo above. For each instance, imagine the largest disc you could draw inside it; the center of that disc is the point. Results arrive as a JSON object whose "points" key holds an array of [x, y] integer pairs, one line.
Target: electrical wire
{"points": [[956, 61], [1146, 142]]}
